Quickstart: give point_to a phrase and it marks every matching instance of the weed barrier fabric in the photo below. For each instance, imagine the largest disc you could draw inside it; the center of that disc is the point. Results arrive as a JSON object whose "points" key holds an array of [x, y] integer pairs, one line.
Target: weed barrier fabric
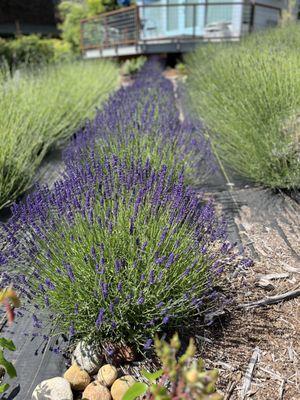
{"points": [[35, 359]]}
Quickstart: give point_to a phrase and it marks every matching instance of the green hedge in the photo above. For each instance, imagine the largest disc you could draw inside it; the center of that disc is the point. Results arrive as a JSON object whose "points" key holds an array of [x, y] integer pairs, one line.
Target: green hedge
{"points": [[33, 50]]}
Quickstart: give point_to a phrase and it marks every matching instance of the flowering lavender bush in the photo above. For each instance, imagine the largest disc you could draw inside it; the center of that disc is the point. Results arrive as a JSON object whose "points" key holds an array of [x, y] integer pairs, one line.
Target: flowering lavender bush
{"points": [[116, 251], [143, 121]]}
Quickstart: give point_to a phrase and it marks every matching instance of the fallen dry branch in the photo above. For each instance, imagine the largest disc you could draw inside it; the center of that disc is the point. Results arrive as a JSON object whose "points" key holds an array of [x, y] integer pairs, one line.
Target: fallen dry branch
{"points": [[249, 373], [230, 389], [272, 299]]}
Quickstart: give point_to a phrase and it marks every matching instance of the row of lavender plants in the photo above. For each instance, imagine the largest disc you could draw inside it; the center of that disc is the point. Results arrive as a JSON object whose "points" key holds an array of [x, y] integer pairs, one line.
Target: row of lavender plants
{"points": [[121, 248], [142, 121]]}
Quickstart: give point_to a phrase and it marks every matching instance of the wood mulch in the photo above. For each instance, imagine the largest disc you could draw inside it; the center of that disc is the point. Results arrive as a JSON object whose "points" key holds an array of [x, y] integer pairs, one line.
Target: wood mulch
{"points": [[257, 349]]}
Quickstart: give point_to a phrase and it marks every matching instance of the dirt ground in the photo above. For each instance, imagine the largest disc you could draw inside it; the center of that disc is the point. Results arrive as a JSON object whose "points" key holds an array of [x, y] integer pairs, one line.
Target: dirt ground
{"points": [[257, 349]]}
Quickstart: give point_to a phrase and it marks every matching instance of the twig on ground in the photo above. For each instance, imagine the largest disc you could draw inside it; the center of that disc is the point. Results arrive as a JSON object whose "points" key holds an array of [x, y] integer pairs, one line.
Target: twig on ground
{"points": [[229, 390], [289, 268], [225, 365], [249, 373], [272, 300], [274, 375], [270, 277], [281, 389]]}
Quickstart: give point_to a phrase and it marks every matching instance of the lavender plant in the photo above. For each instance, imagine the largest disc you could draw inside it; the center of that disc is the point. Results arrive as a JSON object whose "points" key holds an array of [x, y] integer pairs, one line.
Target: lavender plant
{"points": [[248, 97], [115, 252], [40, 108], [143, 121]]}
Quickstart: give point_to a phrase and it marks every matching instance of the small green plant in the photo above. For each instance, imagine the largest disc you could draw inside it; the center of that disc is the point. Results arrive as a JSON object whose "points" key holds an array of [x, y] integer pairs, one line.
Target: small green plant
{"points": [[180, 377], [181, 68], [132, 66], [10, 300]]}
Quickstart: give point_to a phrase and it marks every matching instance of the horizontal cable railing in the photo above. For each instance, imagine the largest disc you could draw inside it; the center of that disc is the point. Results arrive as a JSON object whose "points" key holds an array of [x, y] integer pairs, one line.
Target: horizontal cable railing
{"points": [[189, 21]]}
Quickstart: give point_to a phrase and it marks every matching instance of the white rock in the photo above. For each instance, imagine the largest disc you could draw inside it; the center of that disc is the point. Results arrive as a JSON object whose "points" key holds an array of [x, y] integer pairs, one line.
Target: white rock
{"points": [[53, 389], [88, 357]]}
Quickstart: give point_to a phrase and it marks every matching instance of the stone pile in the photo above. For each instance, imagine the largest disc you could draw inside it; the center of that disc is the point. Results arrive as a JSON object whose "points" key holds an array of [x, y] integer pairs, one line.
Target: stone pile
{"points": [[88, 377]]}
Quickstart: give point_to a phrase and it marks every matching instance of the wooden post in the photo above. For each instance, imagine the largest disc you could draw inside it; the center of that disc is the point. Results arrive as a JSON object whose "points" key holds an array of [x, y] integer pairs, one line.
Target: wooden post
{"points": [[252, 17], [194, 20], [137, 24], [105, 32]]}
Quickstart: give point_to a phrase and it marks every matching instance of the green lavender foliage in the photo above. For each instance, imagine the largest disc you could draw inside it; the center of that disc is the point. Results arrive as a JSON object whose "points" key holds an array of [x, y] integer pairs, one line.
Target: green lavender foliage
{"points": [[39, 108], [117, 253], [248, 95]]}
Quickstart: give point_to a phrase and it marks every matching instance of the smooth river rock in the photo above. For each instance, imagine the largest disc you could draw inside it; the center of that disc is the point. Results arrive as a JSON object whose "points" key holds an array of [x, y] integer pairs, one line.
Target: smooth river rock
{"points": [[78, 378], [107, 375], [120, 386], [53, 389], [96, 391]]}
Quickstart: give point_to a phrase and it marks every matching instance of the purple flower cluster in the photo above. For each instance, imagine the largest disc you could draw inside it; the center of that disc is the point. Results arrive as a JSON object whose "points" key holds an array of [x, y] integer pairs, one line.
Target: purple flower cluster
{"points": [[115, 250], [143, 121]]}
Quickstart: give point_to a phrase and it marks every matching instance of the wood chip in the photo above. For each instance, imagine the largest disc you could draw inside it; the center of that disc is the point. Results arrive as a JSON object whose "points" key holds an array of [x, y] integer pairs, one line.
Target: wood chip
{"points": [[265, 284], [229, 390], [270, 277], [249, 373], [281, 389]]}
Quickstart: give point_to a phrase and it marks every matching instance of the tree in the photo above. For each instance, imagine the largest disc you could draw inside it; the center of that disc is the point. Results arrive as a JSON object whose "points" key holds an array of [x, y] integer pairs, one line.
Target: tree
{"points": [[289, 14], [72, 12]]}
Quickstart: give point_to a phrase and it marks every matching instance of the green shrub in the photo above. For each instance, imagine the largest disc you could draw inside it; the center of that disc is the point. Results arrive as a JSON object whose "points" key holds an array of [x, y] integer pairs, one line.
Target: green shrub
{"points": [[248, 95], [5, 53], [132, 66], [71, 13], [30, 50], [186, 377], [181, 68], [282, 37], [61, 50], [40, 107]]}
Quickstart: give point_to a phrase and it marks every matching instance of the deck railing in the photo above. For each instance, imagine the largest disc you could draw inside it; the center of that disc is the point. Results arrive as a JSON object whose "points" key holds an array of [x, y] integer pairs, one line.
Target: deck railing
{"points": [[148, 23]]}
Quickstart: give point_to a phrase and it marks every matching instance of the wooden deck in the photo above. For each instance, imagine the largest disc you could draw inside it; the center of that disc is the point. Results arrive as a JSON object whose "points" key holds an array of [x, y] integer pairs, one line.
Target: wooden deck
{"points": [[171, 28]]}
